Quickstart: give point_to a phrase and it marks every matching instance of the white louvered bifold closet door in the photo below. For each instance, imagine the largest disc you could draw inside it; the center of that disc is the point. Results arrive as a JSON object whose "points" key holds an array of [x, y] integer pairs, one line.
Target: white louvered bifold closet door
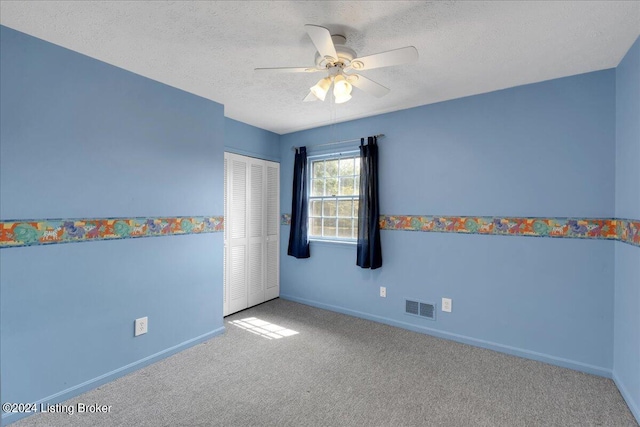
{"points": [[237, 234], [252, 232], [272, 284], [225, 291], [257, 237]]}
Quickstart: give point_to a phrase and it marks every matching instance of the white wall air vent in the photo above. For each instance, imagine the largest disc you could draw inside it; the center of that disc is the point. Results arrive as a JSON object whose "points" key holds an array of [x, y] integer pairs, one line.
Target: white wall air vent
{"points": [[421, 309], [412, 307]]}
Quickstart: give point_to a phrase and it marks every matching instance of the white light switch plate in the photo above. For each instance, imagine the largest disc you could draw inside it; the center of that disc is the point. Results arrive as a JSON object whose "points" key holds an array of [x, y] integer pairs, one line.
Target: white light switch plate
{"points": [[383, 292], [446, 305]]}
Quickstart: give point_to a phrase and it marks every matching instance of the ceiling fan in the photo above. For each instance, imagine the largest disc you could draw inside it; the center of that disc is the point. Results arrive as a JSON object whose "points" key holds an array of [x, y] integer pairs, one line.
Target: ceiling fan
{"points": [[341, 65]]}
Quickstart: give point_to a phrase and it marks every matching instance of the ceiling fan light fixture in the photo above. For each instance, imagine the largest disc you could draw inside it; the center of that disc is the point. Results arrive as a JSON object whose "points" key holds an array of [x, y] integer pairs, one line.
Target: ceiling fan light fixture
{"points": [[321, 88], [342, 98], [341, 88]]}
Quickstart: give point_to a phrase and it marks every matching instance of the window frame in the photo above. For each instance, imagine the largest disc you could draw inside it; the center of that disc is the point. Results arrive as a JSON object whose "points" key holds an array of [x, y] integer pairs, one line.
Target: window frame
{"points": [[355, 154]]}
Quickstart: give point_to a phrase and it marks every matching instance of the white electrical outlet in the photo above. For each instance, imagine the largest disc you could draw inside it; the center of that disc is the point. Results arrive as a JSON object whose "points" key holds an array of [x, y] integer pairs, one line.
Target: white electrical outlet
{"points": [[446, 305], [383, 292], [141, 326]]}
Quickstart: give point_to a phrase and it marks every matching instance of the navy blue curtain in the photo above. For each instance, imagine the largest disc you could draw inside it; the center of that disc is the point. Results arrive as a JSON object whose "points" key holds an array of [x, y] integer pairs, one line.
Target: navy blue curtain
{"points": [[298, 241], [369, 249]]}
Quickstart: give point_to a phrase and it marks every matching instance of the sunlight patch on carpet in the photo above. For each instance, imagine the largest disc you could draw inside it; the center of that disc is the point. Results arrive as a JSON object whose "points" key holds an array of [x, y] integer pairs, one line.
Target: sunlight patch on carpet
{"points": [[262, 328]]}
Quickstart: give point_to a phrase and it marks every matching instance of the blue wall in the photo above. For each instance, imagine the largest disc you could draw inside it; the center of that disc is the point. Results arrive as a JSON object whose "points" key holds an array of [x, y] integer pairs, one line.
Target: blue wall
{"points": [[626, 364], [546, 149], [80, 138], [241, 138]]}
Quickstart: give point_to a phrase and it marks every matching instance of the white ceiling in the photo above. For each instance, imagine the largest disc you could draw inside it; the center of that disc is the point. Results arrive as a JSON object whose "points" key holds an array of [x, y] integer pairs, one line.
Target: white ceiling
{"points": [[211, 48]]}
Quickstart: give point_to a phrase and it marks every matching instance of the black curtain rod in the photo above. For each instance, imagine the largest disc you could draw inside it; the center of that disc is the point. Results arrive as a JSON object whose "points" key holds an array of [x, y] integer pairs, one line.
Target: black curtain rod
{"points": [[380, 135]]}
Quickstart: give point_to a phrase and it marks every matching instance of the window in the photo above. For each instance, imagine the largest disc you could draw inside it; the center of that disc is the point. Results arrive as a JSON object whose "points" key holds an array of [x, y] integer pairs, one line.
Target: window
{"points": [[333, 200]]}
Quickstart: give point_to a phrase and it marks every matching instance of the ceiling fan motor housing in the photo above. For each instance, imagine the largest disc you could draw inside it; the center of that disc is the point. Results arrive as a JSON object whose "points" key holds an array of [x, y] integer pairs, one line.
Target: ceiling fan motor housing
{"points": [[345, 54]]}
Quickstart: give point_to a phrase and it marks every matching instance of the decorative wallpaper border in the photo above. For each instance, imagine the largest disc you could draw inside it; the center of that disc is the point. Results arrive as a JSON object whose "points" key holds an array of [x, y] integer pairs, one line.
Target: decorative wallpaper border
{"points": [[625, 230], [517, 226], [19, 233], [51, 231], [628, 231]]}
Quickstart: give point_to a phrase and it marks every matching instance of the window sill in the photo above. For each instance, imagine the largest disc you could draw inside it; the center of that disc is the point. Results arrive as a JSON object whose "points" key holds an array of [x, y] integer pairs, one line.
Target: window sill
{"points": [[334, 242]]}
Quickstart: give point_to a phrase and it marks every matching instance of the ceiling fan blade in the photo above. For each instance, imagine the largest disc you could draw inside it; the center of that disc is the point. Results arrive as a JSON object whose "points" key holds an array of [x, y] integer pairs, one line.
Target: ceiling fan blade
{"points": [[368, 85], [321, 38], [290, 70], [310, 97], [386, 59]]}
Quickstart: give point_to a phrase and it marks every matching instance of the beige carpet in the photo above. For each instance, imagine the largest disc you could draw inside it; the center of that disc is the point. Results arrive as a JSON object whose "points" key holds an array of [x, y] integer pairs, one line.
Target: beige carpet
{"points": [[342, 371]]}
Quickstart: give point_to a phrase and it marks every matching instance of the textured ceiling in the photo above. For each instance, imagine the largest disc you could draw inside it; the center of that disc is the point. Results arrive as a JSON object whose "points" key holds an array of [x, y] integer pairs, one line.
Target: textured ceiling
{"points": [[212, 48]]}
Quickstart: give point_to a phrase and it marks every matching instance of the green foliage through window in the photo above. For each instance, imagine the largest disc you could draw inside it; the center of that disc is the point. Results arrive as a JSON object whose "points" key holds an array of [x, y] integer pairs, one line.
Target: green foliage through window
{"points": [[333, 203]]}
